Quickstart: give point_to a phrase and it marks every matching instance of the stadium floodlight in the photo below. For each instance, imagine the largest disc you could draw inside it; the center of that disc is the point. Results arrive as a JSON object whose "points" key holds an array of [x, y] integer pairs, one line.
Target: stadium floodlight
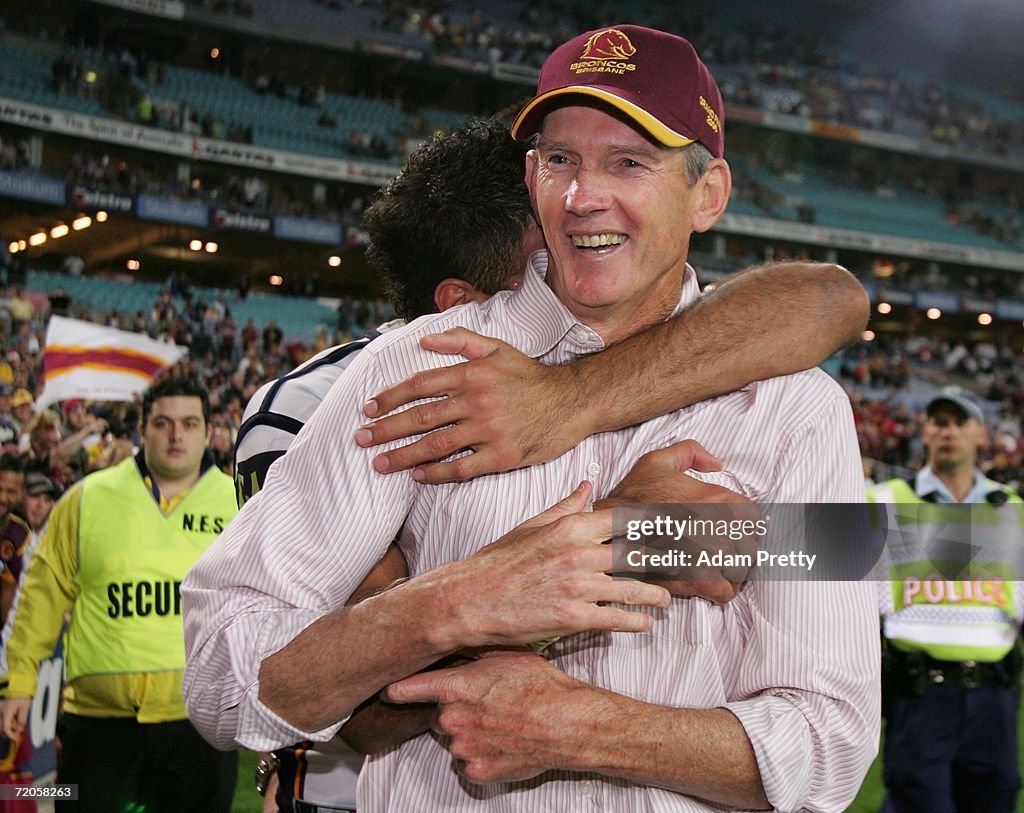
{"points": [[276, 279], [868, 335], [196, 245], [37, 239], [101, 217], [984, 318], [60, 230], [82, 222], [13, 247], [334, 261], [933, 313], [211, 247], [884, 308], [133, 265]]}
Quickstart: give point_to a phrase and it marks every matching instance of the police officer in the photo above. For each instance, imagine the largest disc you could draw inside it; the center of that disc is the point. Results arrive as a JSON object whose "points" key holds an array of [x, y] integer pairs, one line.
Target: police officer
{"points": [[116, 549], [951, 610]]}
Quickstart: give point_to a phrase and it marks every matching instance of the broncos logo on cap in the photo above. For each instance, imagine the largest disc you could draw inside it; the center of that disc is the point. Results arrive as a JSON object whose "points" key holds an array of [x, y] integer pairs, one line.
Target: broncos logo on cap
{"points": [[608, 44]]}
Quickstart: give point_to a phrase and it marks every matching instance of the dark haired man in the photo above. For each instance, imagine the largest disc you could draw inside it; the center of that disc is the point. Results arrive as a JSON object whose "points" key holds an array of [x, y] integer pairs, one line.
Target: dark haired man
{"points": [[114, 554]]}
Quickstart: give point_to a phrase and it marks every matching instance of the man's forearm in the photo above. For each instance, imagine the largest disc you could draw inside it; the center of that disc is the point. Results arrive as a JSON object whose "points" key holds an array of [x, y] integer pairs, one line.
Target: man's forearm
{"points": [[703, 753], [315, 680], [767, 321], [513, 716]]}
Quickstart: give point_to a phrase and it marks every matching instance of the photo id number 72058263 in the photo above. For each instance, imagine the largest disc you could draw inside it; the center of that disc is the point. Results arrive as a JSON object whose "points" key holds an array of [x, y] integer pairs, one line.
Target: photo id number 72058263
{"points": [[13, 792]]}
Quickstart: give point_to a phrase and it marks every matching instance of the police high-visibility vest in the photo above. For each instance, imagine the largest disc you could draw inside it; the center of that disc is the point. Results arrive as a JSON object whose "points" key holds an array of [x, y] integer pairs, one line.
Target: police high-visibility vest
{"points": [[952, 592], [131, 562]]}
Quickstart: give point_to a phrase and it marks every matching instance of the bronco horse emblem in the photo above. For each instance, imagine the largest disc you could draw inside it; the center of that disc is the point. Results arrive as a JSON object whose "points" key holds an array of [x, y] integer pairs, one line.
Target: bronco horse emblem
{"points": [[608, 44]]}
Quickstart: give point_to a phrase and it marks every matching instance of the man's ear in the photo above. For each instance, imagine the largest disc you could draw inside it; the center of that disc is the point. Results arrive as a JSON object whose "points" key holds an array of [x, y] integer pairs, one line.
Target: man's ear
{"points": [[531, 179], [453, 291], [715, 187]]}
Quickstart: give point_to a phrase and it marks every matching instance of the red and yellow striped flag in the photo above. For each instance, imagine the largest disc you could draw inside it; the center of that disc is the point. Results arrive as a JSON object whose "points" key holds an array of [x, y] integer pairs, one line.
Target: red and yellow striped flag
{"points": [[84, 360]]}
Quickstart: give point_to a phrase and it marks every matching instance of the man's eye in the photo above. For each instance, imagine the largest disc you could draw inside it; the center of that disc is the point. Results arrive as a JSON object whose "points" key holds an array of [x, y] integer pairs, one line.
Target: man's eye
{"points": [[557, 159], [629, 163]]}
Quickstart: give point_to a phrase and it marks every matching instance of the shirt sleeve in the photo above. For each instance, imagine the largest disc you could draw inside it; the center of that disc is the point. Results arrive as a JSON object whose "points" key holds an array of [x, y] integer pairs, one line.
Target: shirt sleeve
{"points": [[47, 593], [810, 676], [294, 553]]}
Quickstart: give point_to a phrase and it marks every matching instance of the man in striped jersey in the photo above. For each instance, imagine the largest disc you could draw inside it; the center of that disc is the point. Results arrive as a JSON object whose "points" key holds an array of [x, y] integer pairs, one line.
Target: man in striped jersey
{"points": [[771, 700]]}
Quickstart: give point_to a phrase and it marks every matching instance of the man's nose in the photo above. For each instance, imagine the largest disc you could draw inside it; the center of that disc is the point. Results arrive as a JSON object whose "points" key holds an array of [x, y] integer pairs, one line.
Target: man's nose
{"points": [[586, 193]]}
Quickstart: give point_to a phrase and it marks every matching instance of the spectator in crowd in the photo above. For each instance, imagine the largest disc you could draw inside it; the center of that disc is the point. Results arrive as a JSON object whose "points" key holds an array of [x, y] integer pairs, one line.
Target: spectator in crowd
{"points": [[23, 407], [9, 428], [15, 533], [40, 495]]}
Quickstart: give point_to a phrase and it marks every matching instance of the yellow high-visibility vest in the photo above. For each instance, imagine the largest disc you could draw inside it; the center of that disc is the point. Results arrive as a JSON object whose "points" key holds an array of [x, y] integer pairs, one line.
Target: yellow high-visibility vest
{"points": [[132, 560]]}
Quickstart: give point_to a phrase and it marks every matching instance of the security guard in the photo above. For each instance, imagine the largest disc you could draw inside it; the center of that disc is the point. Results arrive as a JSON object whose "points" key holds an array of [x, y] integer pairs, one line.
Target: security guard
{"points": [[114, 554], [951, 610]]}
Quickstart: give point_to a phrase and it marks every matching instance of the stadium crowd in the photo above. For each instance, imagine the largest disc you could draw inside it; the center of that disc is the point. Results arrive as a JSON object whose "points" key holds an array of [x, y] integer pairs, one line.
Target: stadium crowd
{"points": [[768, 68], [889, 380]]}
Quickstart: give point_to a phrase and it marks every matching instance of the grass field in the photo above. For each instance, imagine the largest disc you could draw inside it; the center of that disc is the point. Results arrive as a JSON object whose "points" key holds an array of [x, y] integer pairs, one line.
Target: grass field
{"points": [[869, 800]]}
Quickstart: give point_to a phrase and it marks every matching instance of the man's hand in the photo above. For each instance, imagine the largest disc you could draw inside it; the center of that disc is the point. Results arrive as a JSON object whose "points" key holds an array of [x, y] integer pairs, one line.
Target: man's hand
{"points": [[14, 716], [544, 579], [501, 713], [660, 477], [510, 410]]}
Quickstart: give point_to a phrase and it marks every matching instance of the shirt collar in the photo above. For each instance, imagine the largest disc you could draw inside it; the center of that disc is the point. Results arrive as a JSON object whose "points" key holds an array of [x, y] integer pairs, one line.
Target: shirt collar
{"points": [[927, 483], [542, 321], [140, 463]]}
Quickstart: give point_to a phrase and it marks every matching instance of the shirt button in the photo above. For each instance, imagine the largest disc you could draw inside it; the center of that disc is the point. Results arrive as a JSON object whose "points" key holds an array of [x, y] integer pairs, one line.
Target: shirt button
{"points": [[586, 788], [594, 469]]}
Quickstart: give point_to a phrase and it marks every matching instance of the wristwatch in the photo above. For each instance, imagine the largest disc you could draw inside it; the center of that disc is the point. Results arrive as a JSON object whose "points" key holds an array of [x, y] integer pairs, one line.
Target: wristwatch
{"points": [[265, 768]]}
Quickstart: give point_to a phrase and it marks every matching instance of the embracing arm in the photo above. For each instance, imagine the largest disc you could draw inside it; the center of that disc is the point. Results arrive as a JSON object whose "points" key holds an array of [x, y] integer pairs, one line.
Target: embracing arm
{"points": [[767, 321], [543, 579], [263, 674], [513, 715]]}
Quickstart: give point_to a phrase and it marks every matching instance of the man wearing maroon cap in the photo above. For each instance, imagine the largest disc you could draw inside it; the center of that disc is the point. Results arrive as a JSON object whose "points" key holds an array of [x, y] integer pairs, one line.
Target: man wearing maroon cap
{"points": [[770, 701]]}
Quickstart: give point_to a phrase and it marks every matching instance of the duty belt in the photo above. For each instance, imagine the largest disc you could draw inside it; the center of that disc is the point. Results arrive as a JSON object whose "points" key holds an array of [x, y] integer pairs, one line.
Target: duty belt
{"points": [[911, 673]]}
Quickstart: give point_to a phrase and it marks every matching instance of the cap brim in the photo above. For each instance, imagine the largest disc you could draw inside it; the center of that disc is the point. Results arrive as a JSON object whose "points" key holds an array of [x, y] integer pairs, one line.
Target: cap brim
{"points": [[528, 121]]}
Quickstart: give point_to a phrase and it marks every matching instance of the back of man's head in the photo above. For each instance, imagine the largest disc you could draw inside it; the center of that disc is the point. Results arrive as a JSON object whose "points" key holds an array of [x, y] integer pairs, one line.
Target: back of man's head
{"points": [[459, 208], [176, 385]]}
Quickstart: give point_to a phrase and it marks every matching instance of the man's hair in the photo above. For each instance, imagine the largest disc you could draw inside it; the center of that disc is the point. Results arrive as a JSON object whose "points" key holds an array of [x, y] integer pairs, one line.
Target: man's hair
{"points": [[459, 208], [697, 159], [176, 385], [11, 463]]}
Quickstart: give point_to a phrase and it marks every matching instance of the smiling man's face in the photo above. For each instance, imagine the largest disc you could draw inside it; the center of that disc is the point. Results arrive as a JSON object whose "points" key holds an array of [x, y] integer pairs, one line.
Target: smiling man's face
{"points": [[617, 212]]}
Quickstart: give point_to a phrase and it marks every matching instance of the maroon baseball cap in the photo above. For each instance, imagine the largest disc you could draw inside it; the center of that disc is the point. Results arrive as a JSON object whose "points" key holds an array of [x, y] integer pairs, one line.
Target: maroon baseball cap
{"points": [[654, 77]]}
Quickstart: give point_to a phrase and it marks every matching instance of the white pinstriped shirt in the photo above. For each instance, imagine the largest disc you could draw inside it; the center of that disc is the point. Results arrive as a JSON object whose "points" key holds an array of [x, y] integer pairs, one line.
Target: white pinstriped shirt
{"points": [[798, 664]]}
